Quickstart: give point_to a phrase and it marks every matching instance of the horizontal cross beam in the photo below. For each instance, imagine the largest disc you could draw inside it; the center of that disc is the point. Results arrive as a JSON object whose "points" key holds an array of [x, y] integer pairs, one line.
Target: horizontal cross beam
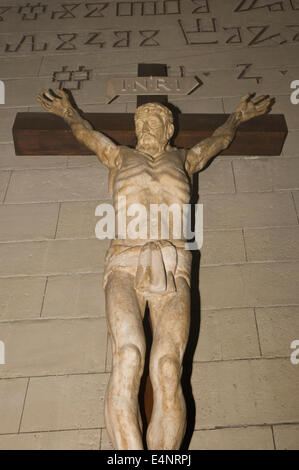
{"points": [[46, 134]]}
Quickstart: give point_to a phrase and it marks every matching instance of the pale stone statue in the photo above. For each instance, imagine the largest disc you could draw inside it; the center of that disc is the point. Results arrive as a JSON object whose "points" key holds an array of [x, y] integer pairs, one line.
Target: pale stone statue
{"points": [[146, 270]]}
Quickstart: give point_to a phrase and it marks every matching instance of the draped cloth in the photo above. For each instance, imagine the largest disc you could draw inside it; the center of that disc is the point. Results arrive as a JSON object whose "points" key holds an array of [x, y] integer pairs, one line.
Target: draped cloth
{"points": [[154, 265]]}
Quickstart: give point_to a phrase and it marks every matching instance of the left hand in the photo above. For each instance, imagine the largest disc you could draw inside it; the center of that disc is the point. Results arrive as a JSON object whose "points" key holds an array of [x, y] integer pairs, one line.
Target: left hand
{"points": [[57, 103], [251, 107]]}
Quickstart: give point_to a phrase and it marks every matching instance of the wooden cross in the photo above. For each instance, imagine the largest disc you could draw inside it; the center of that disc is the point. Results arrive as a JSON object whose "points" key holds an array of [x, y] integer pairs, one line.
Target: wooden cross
{"points": [[46, 134]]}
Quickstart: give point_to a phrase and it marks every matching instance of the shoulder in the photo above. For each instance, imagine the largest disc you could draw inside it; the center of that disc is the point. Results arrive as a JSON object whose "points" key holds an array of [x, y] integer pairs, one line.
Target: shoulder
{"points": [[120, 154], [191, 160], [125, 151], [181, 153]]}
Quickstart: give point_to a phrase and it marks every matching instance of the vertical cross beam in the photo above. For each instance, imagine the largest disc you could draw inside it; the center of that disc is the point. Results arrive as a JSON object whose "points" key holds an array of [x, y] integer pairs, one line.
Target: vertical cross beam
{"points": [[146, 400], [152, 70]]}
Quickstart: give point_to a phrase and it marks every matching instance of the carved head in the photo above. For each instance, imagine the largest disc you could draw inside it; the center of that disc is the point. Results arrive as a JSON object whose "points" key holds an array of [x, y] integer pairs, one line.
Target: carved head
{"points": [[154, 127]]}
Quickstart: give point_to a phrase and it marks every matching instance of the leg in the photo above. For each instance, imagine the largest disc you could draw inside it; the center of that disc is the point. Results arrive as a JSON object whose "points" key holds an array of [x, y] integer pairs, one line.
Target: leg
{"points": [[170, 317], [124, 316]]}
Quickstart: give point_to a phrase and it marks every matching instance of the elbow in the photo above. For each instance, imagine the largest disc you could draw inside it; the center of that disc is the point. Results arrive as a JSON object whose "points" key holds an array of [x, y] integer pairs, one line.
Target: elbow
{"points": [[80, 133]]}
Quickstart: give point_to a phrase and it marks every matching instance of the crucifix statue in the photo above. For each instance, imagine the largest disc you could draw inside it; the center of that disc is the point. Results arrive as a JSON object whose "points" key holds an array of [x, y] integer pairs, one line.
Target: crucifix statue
{"points": [[149, 271]]}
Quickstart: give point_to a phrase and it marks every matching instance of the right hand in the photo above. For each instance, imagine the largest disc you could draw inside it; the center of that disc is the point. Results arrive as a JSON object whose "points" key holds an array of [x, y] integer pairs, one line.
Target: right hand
{"points": [[59, 105], [252, 106]]}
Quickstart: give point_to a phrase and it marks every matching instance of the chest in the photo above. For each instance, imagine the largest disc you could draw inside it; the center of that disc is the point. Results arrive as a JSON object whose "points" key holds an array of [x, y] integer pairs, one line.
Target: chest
{"points": [[141, 169]]}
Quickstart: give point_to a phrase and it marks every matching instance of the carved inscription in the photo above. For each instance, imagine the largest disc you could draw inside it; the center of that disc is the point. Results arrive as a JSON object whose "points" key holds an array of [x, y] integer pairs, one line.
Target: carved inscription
{"points": [[243, 75], [71, 79], [125, 38], [294, 27], [261, 35], [96, 10], [149, 37], [235, 37], [199, 34], [151, 86], [194, 24], [95, 39], [67, 11], [248, 5], [195, 36], [3, 11], [28, 42], [203, 7], [32, 12], [144, 8], [67, 42]]}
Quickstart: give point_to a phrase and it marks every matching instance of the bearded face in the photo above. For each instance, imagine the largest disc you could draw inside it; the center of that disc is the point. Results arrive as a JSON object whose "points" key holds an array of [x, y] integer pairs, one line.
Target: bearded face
{"points": [[152, 133]]}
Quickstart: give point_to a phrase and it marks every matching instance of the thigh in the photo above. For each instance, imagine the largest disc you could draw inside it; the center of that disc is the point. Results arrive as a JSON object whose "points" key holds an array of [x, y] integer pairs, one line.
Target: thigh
{"points": [[170, 317], [124, 311]]}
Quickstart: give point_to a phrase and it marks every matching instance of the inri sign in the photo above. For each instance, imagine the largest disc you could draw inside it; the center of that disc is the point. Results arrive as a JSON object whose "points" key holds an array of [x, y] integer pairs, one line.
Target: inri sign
{"points": [[151, 86]]}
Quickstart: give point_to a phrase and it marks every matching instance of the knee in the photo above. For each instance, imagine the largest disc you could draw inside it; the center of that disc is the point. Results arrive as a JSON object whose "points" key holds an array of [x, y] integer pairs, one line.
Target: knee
{"points": [[131, 357], [169, 372]]}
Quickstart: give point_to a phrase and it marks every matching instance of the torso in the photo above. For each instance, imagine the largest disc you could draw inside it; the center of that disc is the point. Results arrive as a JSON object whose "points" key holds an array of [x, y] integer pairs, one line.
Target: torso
{"points": [[145, 180]]}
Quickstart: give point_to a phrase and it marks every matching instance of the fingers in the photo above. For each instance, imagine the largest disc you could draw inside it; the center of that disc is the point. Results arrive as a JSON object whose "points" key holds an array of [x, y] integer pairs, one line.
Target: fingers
{"points": [[62, 94], [264, 106], [51, 95], [256, 100], [261, 103], [41, 97], [264, 109], [259, 98], [59, 92], [46, 104], [54, 101], [46, 99], [246, 97]]}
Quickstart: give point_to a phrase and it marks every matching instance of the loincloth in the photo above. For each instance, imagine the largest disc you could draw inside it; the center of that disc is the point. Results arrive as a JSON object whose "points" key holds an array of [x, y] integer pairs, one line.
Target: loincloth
{"points": [[155, 265]]}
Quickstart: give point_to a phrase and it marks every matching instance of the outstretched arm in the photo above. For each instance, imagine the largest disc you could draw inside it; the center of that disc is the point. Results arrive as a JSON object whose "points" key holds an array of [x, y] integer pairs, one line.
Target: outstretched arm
{"points": [[60, 105], [200, 154]]}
